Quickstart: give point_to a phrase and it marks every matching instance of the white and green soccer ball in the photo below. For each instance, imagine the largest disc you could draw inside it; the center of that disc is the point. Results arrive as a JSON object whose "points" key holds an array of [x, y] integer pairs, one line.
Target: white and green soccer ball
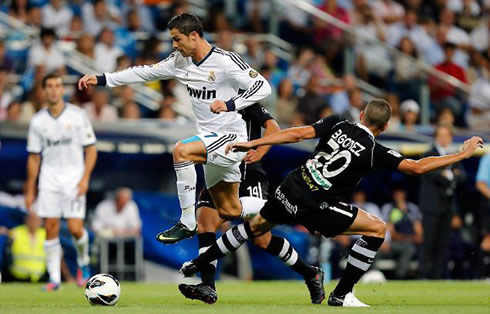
{"points": [[103, 289]]}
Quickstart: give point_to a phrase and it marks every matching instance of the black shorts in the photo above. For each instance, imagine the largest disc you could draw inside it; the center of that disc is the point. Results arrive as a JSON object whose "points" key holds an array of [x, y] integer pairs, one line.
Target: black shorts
{"points": [[293, 203], [255, 185]]}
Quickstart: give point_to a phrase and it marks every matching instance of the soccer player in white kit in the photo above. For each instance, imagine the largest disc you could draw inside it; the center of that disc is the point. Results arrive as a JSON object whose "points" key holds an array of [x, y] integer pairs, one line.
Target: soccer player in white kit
{"points": [[219, 84], [58, 138]]}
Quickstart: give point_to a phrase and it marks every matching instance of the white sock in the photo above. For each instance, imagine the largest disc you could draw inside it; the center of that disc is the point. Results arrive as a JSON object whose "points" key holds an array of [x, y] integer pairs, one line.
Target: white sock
{"points": [[52, 248], [81, 245], [251, 206], [186, 190]]}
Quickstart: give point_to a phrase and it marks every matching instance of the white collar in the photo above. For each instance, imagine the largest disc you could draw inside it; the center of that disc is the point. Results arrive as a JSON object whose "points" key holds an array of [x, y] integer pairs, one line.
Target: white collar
{"points": [[365, 128]]}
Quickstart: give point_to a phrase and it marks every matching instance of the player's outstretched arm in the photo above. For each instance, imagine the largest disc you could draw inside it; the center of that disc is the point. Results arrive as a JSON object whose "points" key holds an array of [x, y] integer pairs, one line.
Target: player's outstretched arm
{"points": [[270, 127], [428, 164], [291, 135]]}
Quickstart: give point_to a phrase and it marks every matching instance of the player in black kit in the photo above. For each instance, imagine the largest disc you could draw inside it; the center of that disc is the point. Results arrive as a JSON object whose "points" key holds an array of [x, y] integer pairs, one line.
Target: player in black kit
{"points": [[312, 194], [254, 190]]}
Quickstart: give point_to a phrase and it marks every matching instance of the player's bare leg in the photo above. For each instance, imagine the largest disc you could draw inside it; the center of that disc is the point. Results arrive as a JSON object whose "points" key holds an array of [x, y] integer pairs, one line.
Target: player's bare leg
{"points": [[277, 246], [81, 243], [52, 248], [186, 153], [361, 257]]}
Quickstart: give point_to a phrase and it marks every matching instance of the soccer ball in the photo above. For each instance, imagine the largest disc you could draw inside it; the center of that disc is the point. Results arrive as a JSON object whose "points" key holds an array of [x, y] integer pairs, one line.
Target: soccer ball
{"points": [[103, 289]]}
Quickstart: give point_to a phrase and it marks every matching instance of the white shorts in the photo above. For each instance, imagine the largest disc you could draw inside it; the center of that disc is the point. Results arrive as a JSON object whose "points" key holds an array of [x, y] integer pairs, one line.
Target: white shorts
{"points": [[52, 204], [219, 166]]}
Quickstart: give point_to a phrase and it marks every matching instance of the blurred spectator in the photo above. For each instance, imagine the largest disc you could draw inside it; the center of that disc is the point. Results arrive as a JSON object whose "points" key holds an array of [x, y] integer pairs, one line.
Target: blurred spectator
{"points": [[407, 74], [479, 114], [481, 34], [166, 109], [286, 103], [28, 261], [35, 102], [217, 21], [296, 26], [457, 36], [45, 57], [106, 53], [258, 14], [34, 17], [131, 111], [408, 27], [6, 62], [123, 95], [123, 62], [312, 104], [99, 109], [405, 227], [14, 110], [359, 199], [446, 116], [373, 62], [6, 94], [356, 105], [329, 38], [139, 14], [271, 61], [57, 15], [394, 124], [18, 10], [443, 94], [75, 29], [483, 186], [99, 15], [436, 202], [409, 116], [225, 40], [118, 216], [388, 10], [299, 70], [86, 46], [254, 55], [468, 14]]}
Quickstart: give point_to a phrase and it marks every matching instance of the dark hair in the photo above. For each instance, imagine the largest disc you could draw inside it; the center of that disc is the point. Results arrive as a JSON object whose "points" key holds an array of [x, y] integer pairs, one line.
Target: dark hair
{"points": [[377, 113], [47, 32], [186, 23], [48, 77]]}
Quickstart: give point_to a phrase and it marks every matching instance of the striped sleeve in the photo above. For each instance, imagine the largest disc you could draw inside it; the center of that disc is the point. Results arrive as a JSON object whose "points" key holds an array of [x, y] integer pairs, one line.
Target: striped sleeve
{"points": [[255, 86], [162, 70]]}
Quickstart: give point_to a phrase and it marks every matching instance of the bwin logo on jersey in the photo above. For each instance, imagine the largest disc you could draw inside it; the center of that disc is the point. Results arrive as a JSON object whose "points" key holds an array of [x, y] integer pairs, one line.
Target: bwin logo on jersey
{"points": [[201, 93]]}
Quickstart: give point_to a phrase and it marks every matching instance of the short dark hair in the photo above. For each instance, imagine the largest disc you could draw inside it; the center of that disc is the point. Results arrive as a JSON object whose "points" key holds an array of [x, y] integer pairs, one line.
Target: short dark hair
{"points": [[48, 77], [47, 32], [186, 23], [377, 113]]}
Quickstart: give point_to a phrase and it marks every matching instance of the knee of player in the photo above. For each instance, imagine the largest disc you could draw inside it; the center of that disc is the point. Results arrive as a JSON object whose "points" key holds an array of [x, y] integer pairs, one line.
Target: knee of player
{"points": [[205, 226], [261, 242], [76, 231], [180, 152]]}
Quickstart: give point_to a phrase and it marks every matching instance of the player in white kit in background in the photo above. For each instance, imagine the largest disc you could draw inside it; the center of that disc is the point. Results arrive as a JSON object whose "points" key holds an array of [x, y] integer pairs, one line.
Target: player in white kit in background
{"points": [[219, 84], [58, 138]]}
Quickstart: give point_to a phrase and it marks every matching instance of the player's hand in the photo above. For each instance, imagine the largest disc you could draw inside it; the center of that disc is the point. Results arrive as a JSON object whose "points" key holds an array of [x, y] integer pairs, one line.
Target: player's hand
{"points": [[218, 106], [238, 147], [471, 145], [86, 81], [252, 157], [29, 197], [82, 187]]}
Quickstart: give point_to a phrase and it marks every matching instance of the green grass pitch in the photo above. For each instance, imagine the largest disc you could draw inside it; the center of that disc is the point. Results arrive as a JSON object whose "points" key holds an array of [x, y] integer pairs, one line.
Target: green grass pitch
{"points": [[271, 297]]}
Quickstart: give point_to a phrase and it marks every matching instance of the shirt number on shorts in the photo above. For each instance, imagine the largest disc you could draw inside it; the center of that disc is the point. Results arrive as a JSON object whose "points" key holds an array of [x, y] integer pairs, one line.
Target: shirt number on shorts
{"points": [[255, 191]]}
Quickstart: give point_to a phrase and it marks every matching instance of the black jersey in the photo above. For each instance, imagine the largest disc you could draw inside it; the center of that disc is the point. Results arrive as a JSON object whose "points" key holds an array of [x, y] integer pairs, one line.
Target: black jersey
{"points": [[345, 153], [255, 117]]}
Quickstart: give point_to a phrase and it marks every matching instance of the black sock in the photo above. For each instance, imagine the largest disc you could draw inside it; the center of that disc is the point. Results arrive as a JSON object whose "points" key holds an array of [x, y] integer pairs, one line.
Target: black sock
{"points": [[229, 242], [281, 248], [361, 256], [207, 271]]}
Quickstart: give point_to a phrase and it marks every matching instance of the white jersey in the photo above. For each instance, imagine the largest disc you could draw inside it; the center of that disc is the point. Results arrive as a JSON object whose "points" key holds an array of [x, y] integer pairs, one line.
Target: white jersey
{"points": [[221, 75], [60, 141]]}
